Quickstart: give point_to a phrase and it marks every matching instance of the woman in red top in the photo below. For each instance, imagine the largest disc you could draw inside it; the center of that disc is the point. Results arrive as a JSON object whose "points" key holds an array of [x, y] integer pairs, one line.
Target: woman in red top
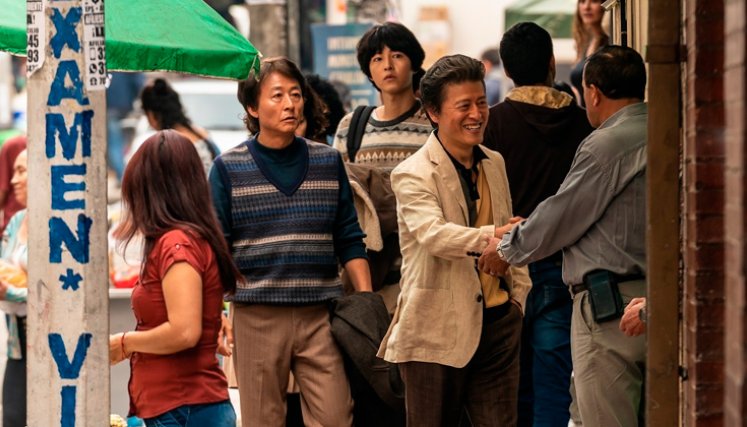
{"points": [[175, 378]]}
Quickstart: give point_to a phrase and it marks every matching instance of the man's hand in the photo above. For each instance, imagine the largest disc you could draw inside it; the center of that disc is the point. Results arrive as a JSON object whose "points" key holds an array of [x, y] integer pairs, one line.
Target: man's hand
{"points": [[500, 231], [631, 323], [489, 262], [225, 337]]}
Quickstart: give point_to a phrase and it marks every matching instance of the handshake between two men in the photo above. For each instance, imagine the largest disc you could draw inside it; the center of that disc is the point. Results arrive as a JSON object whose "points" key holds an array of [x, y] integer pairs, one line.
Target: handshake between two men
{"points": [[490, 262], [632, 323]]}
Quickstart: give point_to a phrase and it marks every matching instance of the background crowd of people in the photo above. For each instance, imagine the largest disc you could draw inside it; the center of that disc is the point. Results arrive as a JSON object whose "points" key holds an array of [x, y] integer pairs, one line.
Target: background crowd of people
{"points": [[516, 221]]}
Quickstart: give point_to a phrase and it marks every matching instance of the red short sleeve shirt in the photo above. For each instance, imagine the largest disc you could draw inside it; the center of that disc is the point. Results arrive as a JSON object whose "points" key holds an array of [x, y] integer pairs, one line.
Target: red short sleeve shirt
{"points": [[160, 383]]}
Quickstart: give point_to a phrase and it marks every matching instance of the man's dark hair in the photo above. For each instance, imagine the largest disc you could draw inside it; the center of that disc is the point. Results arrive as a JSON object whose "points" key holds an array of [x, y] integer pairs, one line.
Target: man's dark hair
{"points": [[248, 91], [396, 37], [448, 70], [491, 55], [617, 71], [526, 50]]}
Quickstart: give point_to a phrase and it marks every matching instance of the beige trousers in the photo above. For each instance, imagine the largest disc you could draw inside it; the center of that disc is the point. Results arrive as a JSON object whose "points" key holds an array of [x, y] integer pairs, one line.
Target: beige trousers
{"points": [[609, 367], [271, 342]]}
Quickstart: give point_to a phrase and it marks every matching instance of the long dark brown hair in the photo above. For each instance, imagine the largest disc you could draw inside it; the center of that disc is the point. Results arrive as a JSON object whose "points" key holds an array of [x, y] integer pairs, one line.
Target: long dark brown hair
{"points": [[315, 113], [164, 188]]}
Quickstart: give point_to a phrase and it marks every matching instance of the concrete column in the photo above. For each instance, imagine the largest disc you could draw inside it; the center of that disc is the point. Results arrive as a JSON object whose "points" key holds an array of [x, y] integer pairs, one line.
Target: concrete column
{"points": [[68, 319], [268, 26]]}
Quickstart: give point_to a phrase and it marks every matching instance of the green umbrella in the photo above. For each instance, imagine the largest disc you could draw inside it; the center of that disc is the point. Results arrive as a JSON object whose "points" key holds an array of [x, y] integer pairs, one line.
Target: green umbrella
{"points": [[13, 26], [556, 16], [186, 36]]}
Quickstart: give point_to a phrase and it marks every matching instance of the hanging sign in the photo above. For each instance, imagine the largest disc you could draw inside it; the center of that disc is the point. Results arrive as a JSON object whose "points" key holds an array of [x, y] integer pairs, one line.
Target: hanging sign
{"points": [[93, 40], [35, 36]]}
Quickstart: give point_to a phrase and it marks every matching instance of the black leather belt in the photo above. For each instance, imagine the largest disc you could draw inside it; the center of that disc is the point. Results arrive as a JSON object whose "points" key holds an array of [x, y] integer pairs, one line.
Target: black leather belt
{"points": [[575, 289]]}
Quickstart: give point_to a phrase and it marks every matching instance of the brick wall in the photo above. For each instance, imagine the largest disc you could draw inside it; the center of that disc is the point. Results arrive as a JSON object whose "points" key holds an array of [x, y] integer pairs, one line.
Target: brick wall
{"points": [[735, 213], [703, 243]]}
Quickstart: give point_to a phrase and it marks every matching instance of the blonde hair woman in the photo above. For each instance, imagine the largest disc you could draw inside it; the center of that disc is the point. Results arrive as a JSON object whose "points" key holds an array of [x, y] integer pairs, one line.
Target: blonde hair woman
{"points": [[589, 36]]}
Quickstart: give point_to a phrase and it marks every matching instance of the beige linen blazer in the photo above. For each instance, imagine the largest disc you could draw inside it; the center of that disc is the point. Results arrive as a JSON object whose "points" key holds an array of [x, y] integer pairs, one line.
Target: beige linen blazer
{"points": [[439, 312]]}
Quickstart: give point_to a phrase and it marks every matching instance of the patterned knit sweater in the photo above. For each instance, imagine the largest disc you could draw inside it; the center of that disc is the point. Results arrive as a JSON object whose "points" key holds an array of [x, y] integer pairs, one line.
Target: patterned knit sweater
{"points": [[386, 144], [283, 243]]}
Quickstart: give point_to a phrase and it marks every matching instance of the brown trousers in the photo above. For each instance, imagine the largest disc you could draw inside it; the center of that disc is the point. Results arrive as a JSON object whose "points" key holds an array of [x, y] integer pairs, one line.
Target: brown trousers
{"points": [[486, 389], [272, 341]]}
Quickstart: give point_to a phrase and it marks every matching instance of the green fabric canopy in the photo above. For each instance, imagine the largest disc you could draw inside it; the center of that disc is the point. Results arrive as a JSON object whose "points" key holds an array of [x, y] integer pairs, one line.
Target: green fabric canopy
{"points": [[186, 36], [13, 26], [556, 16]]}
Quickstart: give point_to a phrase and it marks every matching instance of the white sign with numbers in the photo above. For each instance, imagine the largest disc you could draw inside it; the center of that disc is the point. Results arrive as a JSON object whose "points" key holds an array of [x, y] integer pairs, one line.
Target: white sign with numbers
{"points": [[94, 41], [35, 48]]}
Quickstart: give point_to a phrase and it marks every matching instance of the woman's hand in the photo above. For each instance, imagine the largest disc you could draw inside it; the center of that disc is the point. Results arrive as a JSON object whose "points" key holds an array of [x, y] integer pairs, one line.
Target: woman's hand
{"points": [[116, 351], [3, 289], [225, 337]]}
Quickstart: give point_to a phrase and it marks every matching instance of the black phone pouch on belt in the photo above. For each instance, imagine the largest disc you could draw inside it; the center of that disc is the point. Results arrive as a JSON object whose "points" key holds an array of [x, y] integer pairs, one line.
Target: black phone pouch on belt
{"points": [[604, 295]]}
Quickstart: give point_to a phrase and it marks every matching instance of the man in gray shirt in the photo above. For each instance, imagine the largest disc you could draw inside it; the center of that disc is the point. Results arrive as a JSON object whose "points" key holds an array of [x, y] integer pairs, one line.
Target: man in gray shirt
{"points": [[597, 218]]}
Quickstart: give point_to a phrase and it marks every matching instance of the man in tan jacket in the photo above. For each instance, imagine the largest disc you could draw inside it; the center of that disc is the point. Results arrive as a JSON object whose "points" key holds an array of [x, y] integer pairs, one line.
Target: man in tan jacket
{"points": [[456, 332]]}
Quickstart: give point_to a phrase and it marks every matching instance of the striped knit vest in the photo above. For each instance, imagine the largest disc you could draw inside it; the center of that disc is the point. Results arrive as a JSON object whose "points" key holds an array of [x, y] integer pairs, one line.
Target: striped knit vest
{"points": [[283, 244]]}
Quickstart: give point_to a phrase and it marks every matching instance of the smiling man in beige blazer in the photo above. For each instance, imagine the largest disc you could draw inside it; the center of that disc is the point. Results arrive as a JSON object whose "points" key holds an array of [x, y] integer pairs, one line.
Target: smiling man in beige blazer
{"points": [[456, 332]]}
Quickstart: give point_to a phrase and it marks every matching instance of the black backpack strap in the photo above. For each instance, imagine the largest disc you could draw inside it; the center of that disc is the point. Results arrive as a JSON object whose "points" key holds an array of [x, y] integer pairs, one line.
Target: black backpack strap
{"points": [[357, 128]]}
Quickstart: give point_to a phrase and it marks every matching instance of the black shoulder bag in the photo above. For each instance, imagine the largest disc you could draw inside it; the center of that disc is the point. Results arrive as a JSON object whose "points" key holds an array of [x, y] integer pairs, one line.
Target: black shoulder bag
{"points": [[357, 128]]}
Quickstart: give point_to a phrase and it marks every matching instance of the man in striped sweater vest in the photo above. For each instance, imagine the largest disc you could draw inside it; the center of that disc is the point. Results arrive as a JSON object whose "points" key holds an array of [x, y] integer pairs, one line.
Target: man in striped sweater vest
{"points": [[287, 212]]}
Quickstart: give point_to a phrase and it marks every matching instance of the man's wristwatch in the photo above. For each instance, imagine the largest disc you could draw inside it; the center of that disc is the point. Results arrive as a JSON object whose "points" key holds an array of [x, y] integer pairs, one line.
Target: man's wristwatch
{"points": [[501, 255]]}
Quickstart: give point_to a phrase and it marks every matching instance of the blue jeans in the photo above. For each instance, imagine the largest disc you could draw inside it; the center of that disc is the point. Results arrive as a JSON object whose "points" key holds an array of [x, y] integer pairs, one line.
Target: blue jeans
{"points": [[546, 366], [219, 414]]}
